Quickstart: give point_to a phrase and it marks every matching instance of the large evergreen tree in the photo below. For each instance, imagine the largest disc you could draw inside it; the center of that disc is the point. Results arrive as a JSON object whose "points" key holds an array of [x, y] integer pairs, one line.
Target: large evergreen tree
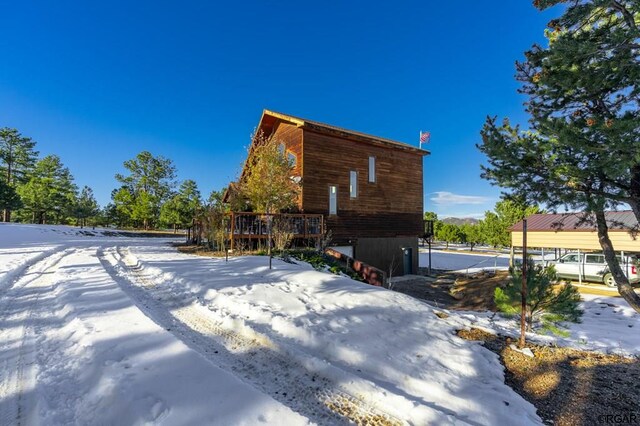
{"points": [[9, 198], [449, 233], [150, 183], [49, 194], [582, 149], [472, 234], [86, 206], [181, 209], [17, 158], [122, 208], [495, 225]]}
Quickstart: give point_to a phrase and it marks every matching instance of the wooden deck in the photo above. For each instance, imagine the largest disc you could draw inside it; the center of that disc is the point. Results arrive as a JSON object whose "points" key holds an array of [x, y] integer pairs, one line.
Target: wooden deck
{"points": [[249, 226]]}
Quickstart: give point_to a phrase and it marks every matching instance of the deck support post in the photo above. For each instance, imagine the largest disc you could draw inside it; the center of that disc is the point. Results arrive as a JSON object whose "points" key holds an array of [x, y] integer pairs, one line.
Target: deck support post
{"points": [[231, 229]]}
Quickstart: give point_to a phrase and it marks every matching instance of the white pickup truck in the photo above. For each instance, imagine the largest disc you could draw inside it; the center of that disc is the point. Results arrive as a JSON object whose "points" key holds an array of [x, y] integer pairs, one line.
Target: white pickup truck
{"points": [[593, 267]]}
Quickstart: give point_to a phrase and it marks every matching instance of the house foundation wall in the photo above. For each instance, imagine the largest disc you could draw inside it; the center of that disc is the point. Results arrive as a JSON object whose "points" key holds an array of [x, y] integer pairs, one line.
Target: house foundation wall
{"points": [[387, 253]]}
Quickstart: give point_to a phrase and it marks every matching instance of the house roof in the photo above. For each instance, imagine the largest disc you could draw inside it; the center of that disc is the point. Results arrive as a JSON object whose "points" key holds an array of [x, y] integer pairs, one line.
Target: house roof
{"points": [[616, 221], [268, 116]]}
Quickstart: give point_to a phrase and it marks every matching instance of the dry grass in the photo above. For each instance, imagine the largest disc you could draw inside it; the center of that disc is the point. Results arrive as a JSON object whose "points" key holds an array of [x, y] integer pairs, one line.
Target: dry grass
{"points": [[568, 386], [454, 291]]}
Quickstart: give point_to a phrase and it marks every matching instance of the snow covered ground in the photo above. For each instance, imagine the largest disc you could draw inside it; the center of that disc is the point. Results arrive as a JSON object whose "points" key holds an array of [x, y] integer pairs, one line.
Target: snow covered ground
{"points": [[462, 261], [115, 330], [107, 330], [608, 325]]}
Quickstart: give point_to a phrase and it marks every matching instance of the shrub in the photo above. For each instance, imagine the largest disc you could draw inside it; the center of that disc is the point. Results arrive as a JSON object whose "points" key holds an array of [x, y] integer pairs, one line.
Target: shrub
{"points": [[546, 302], [322, 262]]}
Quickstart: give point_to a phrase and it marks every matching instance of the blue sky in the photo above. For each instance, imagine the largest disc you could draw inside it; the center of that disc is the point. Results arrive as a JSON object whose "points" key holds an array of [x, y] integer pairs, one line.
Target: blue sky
{"points": [[98, 83]]}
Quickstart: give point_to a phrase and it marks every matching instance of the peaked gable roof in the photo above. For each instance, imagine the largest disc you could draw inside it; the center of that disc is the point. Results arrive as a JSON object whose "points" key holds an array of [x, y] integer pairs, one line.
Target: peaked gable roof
{"points": [[616, 221], [269, 118]]}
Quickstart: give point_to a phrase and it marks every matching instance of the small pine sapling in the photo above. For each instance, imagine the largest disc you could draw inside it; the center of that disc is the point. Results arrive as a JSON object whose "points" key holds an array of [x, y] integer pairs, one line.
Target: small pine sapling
{"points": [[547, 302]]}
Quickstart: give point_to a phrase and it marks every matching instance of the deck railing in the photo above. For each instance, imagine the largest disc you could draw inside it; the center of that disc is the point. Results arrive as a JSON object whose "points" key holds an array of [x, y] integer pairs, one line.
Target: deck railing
{"points": [[255, 226]]}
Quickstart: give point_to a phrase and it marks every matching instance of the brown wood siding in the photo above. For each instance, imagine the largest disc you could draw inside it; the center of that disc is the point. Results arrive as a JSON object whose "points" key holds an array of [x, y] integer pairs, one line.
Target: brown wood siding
{"points": [[291, 136], [392, 206]]}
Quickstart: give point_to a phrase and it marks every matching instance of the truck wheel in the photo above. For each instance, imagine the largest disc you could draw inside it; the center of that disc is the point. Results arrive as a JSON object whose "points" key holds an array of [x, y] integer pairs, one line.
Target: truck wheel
{"points": [[608, 280]]}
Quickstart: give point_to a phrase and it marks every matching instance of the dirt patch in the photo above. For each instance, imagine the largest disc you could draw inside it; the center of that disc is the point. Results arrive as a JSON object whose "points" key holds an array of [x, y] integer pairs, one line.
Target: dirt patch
{"points": [[476, 334], [568, 386], [456, 291]]}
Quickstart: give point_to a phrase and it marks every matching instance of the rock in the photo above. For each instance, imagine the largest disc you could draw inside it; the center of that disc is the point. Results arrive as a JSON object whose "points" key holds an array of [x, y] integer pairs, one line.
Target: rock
{"points": [[525, 351]]}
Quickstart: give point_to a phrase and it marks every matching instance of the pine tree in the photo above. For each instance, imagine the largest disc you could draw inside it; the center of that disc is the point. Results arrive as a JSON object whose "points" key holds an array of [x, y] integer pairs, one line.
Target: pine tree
{"points": [[171, 212], [472, 234], [150, 183], [143, 209], [191, 201], [122, 211], [582, 149], [181, 208], [86, 206], [507, 212], [9, 198], [49, 194], [449, 233], [17, 158], [544, 301]]}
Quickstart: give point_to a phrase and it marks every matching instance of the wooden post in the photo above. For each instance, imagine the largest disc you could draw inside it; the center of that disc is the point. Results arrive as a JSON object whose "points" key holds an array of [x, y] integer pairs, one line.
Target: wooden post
{"points": [[429, 242], [523, 293], [269, 224], [231, 228]]}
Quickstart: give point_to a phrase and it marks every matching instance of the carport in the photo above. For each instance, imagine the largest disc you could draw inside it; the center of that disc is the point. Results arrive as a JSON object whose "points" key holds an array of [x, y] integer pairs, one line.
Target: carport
{"points": [[559, 233]]}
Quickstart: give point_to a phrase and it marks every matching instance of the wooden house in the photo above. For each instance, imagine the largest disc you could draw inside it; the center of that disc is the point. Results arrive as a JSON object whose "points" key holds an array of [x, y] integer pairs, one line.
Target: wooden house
{"points": [[368, 189]]}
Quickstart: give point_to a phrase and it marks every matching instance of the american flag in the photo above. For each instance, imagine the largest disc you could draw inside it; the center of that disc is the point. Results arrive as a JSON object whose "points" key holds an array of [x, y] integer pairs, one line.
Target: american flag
{"points": [[425, 137]]}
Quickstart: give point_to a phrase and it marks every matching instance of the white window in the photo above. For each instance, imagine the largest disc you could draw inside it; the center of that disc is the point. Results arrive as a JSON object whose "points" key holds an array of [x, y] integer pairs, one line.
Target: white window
{"points": [[333, 200], [353, 184], [372, 169]]}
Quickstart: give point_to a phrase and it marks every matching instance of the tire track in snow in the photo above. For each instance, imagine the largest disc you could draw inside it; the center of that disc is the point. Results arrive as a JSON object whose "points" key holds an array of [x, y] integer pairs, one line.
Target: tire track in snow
{"points": [[249, 355], [13, 276], [17, 363]]}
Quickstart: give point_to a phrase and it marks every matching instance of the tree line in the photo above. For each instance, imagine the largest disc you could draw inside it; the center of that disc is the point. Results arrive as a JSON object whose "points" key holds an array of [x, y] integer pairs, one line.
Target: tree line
{"points": [[39, 190], [492, 230], [42, 190]]}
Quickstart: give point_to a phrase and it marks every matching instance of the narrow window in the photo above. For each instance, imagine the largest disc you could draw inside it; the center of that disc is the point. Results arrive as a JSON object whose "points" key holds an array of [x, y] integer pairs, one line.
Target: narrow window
{"points": [[292, 159], [353, 184], [333, 200], [281, 149], [372, 169]]}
